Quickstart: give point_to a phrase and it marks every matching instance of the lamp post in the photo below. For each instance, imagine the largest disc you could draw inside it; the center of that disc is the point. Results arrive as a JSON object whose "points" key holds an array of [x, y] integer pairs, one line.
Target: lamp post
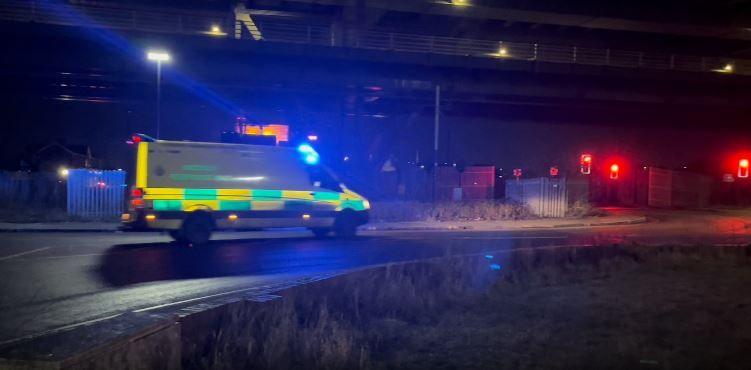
{"points": [[159, 57]]}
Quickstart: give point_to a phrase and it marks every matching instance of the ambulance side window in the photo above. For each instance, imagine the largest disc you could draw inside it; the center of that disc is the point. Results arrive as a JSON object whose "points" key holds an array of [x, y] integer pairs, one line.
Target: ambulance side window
{"points": [[321, 178]]}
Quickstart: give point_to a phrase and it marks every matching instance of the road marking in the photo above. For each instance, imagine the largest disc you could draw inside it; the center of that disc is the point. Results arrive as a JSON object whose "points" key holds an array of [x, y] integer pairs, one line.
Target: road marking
{"points": [[23, 253], [57, 330], [514, 237], [194, 299]]}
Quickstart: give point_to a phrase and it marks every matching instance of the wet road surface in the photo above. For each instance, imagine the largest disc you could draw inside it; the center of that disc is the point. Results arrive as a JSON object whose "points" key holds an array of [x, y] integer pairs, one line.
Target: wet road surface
{"points": [[50, 281]]}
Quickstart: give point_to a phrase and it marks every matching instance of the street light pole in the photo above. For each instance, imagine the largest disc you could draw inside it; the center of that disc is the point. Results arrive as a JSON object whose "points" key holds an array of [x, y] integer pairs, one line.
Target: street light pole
{"points": [[158, 97], [158, 57], [436, 132]]}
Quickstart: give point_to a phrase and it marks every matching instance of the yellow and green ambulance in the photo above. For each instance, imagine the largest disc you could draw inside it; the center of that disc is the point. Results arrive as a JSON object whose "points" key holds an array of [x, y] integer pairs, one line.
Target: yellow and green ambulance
{"points": [[192, 188]]}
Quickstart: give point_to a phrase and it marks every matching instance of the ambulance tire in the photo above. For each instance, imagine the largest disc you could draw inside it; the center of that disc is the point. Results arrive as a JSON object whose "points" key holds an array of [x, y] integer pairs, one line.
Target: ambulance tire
{"points": [[177, 236], [196, 229], [345, 225], [321, 232]]}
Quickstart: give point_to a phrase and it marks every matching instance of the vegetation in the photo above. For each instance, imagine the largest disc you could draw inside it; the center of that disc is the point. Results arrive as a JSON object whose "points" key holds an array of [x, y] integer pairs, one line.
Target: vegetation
{"points": [[400, 211], [590, 308]]}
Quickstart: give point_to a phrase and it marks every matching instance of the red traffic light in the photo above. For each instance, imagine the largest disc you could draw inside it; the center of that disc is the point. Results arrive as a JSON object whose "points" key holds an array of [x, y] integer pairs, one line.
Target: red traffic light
{"points": [[614, 169], [517, 172], [743, 168], [553, 171], [585, 164]]}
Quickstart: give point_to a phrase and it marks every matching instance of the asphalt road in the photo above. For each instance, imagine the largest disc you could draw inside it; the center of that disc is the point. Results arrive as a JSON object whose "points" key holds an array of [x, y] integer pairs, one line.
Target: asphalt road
{"points": [[52, 281]]}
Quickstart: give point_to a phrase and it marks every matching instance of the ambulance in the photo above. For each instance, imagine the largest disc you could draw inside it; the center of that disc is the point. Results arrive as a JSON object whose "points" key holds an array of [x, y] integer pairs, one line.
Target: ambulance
{"points": [[191, 189]]}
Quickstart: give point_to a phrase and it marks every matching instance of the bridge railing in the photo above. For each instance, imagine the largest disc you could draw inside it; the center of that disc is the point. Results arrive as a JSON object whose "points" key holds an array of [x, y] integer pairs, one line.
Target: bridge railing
{"points": [[274, 29], [112, 16]]}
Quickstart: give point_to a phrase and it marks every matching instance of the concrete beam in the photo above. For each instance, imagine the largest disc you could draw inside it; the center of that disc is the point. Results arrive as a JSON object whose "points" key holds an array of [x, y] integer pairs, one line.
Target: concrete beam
{"points": [[559, 19]]}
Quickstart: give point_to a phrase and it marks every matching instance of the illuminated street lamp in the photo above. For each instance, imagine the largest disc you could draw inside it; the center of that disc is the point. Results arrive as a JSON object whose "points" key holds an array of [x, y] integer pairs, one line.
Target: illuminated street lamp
{"points": [[215, 30], [159, 57], [727, 68]]}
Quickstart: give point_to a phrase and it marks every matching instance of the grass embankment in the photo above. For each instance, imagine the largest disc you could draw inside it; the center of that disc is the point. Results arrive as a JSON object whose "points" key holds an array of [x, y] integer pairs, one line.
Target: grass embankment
{"points": [[585, 308], [401, 211]]}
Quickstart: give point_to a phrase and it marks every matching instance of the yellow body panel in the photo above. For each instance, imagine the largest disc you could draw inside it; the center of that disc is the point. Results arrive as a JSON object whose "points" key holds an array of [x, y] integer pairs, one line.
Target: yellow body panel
{"points": [[297, 195], [141, 165], [230, 194]]}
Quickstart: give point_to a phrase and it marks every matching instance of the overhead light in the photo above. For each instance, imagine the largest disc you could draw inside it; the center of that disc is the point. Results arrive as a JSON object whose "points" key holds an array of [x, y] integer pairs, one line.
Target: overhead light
{"points": [[460, 2], [158, 56], [63, 172], [728, 68], [501, 53], [215, 30]]}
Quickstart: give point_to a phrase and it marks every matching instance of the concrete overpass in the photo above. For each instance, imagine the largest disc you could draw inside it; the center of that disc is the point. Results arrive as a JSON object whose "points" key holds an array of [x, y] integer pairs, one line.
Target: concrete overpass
{"points": [[370, 90]]}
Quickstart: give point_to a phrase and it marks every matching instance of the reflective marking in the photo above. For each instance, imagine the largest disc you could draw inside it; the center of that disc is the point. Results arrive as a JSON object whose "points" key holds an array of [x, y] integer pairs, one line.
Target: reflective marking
{"points": [[142, 164], [23, 253], [194, 299]]}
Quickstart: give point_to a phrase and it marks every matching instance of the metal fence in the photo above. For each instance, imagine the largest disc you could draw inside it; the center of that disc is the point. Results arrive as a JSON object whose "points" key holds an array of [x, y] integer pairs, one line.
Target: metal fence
{"points": [[276, 29], [96, 194], [545, 197], [26, 190]]}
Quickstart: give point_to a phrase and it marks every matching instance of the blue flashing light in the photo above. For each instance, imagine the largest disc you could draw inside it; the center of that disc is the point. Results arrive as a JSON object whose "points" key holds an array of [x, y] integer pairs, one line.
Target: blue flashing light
{"points": [[305, 148], [495, 266], [311, 159], [309, 155]]}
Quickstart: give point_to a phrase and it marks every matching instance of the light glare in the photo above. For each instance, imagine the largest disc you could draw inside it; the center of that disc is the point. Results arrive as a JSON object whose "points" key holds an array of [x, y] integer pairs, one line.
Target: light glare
{"points": [[158, 56]]}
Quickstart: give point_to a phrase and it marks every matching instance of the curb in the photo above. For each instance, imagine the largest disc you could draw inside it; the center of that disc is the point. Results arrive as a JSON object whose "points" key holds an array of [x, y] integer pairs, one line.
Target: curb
{"points": [[635, 221], [51, 230]]}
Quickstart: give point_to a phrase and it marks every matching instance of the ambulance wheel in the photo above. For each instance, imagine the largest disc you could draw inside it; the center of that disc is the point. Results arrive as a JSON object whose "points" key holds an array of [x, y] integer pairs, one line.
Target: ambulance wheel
{"points": [[196, 229], [345, 225], [320, 232], [177, 236]]}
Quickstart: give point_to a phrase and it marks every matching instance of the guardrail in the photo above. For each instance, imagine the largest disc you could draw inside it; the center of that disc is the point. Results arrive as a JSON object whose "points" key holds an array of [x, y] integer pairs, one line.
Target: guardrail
{"points": [[157, 20], [273, 30]]}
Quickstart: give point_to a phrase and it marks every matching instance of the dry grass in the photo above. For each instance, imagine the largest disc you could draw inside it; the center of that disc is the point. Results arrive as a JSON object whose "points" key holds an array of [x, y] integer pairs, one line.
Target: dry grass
{"points": [[590, 308], [582, 208], [400, 211]]}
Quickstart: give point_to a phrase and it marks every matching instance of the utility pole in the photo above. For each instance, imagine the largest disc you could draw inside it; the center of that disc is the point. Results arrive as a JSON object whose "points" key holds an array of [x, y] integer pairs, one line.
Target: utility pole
{"points": [[437, 122]]}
